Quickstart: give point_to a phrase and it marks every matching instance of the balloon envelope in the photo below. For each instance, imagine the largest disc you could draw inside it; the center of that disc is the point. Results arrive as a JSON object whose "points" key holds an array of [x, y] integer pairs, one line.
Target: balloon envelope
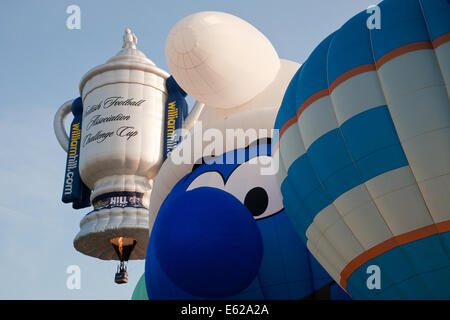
{"points": [[140, 291], [220, 59], [364, 151], [196, 242]]}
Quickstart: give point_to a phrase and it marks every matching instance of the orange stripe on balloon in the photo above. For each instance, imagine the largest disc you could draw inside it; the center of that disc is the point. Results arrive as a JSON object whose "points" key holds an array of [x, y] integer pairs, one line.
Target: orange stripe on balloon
{"points": [[287, 124], [364, 68], [316, 96], [441, 40], [416, 234], [390, 244], [443, 226], [403, 50], [363, 258], [351, 73]]}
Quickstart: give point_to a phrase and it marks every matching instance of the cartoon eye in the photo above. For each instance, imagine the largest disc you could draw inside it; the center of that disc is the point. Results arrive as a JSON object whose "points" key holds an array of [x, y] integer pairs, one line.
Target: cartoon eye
{"points": [[259, 193], [211, 179], [256, 200]]}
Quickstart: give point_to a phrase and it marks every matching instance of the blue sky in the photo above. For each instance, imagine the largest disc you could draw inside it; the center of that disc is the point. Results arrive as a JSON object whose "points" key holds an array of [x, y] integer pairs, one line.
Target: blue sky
{"points": [[42, 63]]}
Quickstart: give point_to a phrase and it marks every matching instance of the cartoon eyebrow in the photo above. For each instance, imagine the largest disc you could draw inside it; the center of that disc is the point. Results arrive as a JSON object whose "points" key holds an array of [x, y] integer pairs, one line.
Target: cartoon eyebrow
{"points": [[197, 164], [202, 161], [261, 141]]}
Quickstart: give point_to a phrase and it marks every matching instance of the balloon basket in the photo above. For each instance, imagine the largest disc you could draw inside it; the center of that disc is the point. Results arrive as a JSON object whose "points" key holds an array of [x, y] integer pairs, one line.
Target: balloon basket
{"points": [[121, 275]]}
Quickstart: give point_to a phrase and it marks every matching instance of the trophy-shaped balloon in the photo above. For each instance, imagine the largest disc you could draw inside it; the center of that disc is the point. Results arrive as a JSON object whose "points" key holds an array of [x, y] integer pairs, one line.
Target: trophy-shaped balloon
{"points": [[118, 141]]}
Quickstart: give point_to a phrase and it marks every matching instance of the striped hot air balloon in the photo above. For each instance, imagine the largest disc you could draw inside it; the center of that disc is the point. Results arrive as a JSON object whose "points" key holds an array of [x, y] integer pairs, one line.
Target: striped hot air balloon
{"points": [[364, 151]]}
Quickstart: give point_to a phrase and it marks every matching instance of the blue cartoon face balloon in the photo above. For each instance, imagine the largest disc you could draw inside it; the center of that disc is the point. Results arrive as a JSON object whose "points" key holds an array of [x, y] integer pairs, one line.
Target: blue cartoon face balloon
{"points": [[222, 233]]}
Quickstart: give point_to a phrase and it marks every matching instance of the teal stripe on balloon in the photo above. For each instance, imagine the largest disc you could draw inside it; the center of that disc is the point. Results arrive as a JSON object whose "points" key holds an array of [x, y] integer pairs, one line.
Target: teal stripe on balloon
{"points": [[365, 146]]}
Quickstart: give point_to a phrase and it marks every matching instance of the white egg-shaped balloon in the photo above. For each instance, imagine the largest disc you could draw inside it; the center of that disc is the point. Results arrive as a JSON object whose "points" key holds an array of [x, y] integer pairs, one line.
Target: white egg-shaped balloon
{"points": [[220, 59]]}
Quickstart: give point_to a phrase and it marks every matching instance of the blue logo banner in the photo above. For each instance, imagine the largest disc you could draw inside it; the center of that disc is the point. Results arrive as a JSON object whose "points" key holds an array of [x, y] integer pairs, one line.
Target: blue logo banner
{"points": [[122, 199], [75, 191], [175, 113]]}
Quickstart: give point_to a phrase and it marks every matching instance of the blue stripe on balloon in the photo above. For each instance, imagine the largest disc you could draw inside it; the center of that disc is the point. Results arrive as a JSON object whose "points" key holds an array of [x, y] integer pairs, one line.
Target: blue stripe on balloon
{"points": [[302, 192], [391, 293], [402, 23], [301, 167], [355, 291], [436, 14], [427, 280], [369, 131], [373, 143], [328, 154], [342, 180], [436, 279], [381, 161], [416, 288], [433, 249], [392, 265], [313, 76], [446, 240], [300, 218], [316, 201], [371, 140], [352, 37]]}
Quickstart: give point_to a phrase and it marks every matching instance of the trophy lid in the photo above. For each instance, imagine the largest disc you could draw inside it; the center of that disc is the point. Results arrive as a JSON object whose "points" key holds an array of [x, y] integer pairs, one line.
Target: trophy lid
{"points": [[129, 51], [129, 58]]}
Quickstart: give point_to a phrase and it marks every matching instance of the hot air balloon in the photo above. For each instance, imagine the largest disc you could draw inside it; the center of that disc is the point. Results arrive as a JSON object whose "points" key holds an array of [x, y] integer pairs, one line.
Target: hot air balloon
{"points": [[116, 99], [125, 123], [222, 233], [220, 230], [364, 149]]}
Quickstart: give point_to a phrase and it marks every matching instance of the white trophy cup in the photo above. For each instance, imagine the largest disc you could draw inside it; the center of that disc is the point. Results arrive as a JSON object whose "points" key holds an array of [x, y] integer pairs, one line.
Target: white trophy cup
{"points": [[121, 149]]}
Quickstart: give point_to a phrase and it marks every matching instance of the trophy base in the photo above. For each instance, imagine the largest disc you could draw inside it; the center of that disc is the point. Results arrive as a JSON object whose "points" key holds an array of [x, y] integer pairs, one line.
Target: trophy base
{"points": [[97, 229], [116, 214]]}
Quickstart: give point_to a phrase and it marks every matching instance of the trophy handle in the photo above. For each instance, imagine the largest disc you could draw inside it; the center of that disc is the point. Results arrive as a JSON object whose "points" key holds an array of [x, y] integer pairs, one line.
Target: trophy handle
{"points": [[193, 115], [58, 124]]}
